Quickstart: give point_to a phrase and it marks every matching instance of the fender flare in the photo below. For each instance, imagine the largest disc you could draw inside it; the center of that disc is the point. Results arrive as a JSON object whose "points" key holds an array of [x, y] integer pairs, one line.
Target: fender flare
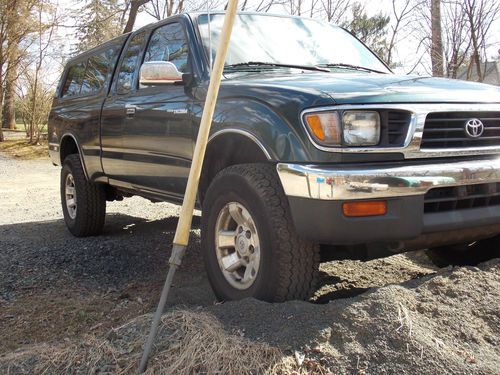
{"points": [[70, 135], [245, 133]]}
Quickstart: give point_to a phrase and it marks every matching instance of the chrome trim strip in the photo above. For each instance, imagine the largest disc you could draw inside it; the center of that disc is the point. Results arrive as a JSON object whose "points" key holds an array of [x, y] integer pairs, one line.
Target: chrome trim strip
{"points": [[411, 147], [341, 183], [246, 134]]}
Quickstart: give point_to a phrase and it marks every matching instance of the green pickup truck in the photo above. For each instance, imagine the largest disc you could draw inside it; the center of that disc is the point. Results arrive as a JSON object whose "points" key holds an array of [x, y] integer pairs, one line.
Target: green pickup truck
{"points": [[317, 150]]}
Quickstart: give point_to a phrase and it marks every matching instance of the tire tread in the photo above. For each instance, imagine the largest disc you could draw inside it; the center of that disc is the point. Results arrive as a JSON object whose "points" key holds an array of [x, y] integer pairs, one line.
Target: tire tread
{"points": [[298, 259], [91, 200]]}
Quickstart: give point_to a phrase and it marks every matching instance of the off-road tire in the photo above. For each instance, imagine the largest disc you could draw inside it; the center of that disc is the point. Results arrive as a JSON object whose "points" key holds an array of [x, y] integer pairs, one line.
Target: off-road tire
{"points": [[464, 255], [288, 263], [91, 200]]}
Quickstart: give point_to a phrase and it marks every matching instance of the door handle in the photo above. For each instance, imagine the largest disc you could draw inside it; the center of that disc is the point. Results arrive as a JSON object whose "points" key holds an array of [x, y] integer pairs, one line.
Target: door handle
{"points": [[130, 110]]}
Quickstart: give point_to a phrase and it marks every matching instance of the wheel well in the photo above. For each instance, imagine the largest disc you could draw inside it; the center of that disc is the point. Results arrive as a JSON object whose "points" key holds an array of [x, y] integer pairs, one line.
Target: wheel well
{"points": [[68, 147], [224, 151]]}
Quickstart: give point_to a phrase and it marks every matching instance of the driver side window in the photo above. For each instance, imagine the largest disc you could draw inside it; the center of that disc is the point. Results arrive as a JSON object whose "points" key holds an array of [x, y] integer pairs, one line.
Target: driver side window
{"points": [[169, 43], [129, 64]]}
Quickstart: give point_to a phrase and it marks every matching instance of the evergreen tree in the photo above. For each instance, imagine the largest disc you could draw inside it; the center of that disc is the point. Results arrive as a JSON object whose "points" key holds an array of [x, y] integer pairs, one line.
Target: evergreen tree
{"points": [[99, 21], [371, 30]]}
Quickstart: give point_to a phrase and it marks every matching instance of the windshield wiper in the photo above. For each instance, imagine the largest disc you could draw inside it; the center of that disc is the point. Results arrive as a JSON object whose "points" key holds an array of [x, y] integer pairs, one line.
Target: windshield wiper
{"points": [[272, 64], [356, 67]]}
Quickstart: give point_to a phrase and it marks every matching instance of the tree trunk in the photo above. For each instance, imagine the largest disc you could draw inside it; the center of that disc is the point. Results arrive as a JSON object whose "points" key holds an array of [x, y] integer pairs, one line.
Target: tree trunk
{"points": [[437, 40], [9, 117], [453, 69], [1, 80], [1, 105], [134, 8]]}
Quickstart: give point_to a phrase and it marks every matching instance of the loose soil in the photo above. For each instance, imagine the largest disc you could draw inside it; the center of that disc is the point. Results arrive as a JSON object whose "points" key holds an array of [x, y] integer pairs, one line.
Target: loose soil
{"points": [[83, 306]]}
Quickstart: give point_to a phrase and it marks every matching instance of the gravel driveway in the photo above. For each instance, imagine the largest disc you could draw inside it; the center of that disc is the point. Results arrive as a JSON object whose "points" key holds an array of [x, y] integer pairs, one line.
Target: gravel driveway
{"points": [[54, 287]]}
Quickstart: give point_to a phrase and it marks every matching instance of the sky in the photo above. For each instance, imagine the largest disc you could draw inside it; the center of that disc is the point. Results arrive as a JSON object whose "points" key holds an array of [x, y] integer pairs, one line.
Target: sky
{"points": [[406, 53]]}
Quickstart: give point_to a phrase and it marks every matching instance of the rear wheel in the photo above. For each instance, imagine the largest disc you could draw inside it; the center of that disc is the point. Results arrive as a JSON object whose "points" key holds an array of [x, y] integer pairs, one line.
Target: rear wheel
{"points": [[249, 242], [465, 254], [83, 203]]}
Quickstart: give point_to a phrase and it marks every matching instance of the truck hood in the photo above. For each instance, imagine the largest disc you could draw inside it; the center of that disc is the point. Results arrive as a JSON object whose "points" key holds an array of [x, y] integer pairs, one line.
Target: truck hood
{"points": [[364, 88]]}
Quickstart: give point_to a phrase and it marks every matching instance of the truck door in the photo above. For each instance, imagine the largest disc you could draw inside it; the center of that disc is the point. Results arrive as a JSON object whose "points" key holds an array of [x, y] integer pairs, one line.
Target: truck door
{"points": [[156, 131]]}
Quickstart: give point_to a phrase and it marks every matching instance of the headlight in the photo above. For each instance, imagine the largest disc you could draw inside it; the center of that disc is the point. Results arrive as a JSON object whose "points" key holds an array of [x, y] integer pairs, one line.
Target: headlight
{"points": [[361, 128], [348, 128]]}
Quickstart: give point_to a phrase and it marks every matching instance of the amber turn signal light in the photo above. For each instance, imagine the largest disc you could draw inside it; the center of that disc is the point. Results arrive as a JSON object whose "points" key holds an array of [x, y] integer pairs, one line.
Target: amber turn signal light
{"points": [[324, 126], [364, 208]]}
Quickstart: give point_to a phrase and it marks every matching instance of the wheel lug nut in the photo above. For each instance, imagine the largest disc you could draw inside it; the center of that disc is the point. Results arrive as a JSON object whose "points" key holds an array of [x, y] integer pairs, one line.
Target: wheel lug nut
{"points": [[240, 229], [251, 248], [248, 234]]}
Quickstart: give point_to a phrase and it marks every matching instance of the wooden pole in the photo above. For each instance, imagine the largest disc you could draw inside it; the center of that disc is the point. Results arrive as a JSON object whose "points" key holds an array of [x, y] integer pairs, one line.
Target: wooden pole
{"points": [[181, 238], [184, 225]]}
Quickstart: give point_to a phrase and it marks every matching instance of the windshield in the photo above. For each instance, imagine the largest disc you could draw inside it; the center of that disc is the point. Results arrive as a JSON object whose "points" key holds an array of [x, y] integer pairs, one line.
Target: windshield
{"points": [[288, 40]]}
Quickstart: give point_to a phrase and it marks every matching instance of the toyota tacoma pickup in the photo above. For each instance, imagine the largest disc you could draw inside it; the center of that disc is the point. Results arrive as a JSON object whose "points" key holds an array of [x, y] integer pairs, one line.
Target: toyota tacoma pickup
{"points": [[316, 149]]}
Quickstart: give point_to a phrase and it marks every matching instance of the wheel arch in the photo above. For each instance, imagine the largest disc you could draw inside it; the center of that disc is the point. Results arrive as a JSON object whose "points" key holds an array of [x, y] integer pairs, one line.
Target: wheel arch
{"points": [[229, 147], [68, 146]]}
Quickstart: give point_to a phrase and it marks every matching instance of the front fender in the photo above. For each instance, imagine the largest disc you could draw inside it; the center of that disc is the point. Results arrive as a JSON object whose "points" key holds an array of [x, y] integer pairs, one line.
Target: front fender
{"points": [[277, 138]]}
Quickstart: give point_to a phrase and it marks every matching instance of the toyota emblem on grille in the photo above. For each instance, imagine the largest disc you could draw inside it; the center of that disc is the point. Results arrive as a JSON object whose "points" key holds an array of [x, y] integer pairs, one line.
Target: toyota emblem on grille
{"points": [[474, 128]]}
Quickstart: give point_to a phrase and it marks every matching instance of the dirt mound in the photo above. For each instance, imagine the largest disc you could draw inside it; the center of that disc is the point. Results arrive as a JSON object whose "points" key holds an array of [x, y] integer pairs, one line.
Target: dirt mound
{"points": [[445, 323]]}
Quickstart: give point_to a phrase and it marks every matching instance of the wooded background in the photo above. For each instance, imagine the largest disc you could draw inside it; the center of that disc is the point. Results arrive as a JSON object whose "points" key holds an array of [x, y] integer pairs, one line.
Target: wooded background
{"points": [[445, 38]]}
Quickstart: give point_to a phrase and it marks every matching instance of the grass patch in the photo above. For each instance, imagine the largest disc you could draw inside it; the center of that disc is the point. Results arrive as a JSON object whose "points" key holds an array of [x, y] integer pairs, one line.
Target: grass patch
{"points": [[187, 343], [20, 148]]}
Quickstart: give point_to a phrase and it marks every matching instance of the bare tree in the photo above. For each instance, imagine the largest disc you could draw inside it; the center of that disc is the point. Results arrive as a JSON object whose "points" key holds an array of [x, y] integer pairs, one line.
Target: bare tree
{"points": [[134, 6], [457, 42], [18, 29], [480, 15], [3, 40], [294, 7], [35, 99], [161, 9], [8, 113], [15, 30], [403, 16], [336, 10], [265, 5]]}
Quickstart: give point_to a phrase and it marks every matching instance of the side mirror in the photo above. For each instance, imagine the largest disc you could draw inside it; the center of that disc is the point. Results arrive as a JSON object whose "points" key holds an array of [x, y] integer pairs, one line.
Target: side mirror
{"points": [[158, 73]]}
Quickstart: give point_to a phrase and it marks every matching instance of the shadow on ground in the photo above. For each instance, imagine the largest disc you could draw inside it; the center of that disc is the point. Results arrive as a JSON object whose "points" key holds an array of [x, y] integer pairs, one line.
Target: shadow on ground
{"points": [[55, 288], [43, 255], [54, 284]]}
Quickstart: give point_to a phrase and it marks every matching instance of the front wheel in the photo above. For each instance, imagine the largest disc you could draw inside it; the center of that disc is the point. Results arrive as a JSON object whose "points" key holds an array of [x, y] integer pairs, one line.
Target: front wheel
{"points": [[83, 202], [249, 242]]}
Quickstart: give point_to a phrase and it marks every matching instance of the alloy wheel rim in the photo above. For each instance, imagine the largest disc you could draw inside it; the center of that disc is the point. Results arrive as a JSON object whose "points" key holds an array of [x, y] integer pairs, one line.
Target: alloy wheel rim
{"points": [[70, 194], [237, 245]]}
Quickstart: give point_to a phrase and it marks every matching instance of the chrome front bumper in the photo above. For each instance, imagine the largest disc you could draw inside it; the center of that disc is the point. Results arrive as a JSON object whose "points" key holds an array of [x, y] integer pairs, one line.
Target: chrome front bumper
{"points": [[360, 182]]}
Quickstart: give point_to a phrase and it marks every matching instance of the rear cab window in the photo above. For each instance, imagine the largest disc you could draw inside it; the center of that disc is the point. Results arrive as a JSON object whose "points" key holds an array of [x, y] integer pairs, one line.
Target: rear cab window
{"points": [[99, 68], [90, 75], [74, 80]]}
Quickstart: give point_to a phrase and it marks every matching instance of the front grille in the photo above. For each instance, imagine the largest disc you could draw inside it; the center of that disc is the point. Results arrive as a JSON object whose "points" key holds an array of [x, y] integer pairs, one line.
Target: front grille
{"points": [[395, 125], [447, 130], [462, 197]]}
